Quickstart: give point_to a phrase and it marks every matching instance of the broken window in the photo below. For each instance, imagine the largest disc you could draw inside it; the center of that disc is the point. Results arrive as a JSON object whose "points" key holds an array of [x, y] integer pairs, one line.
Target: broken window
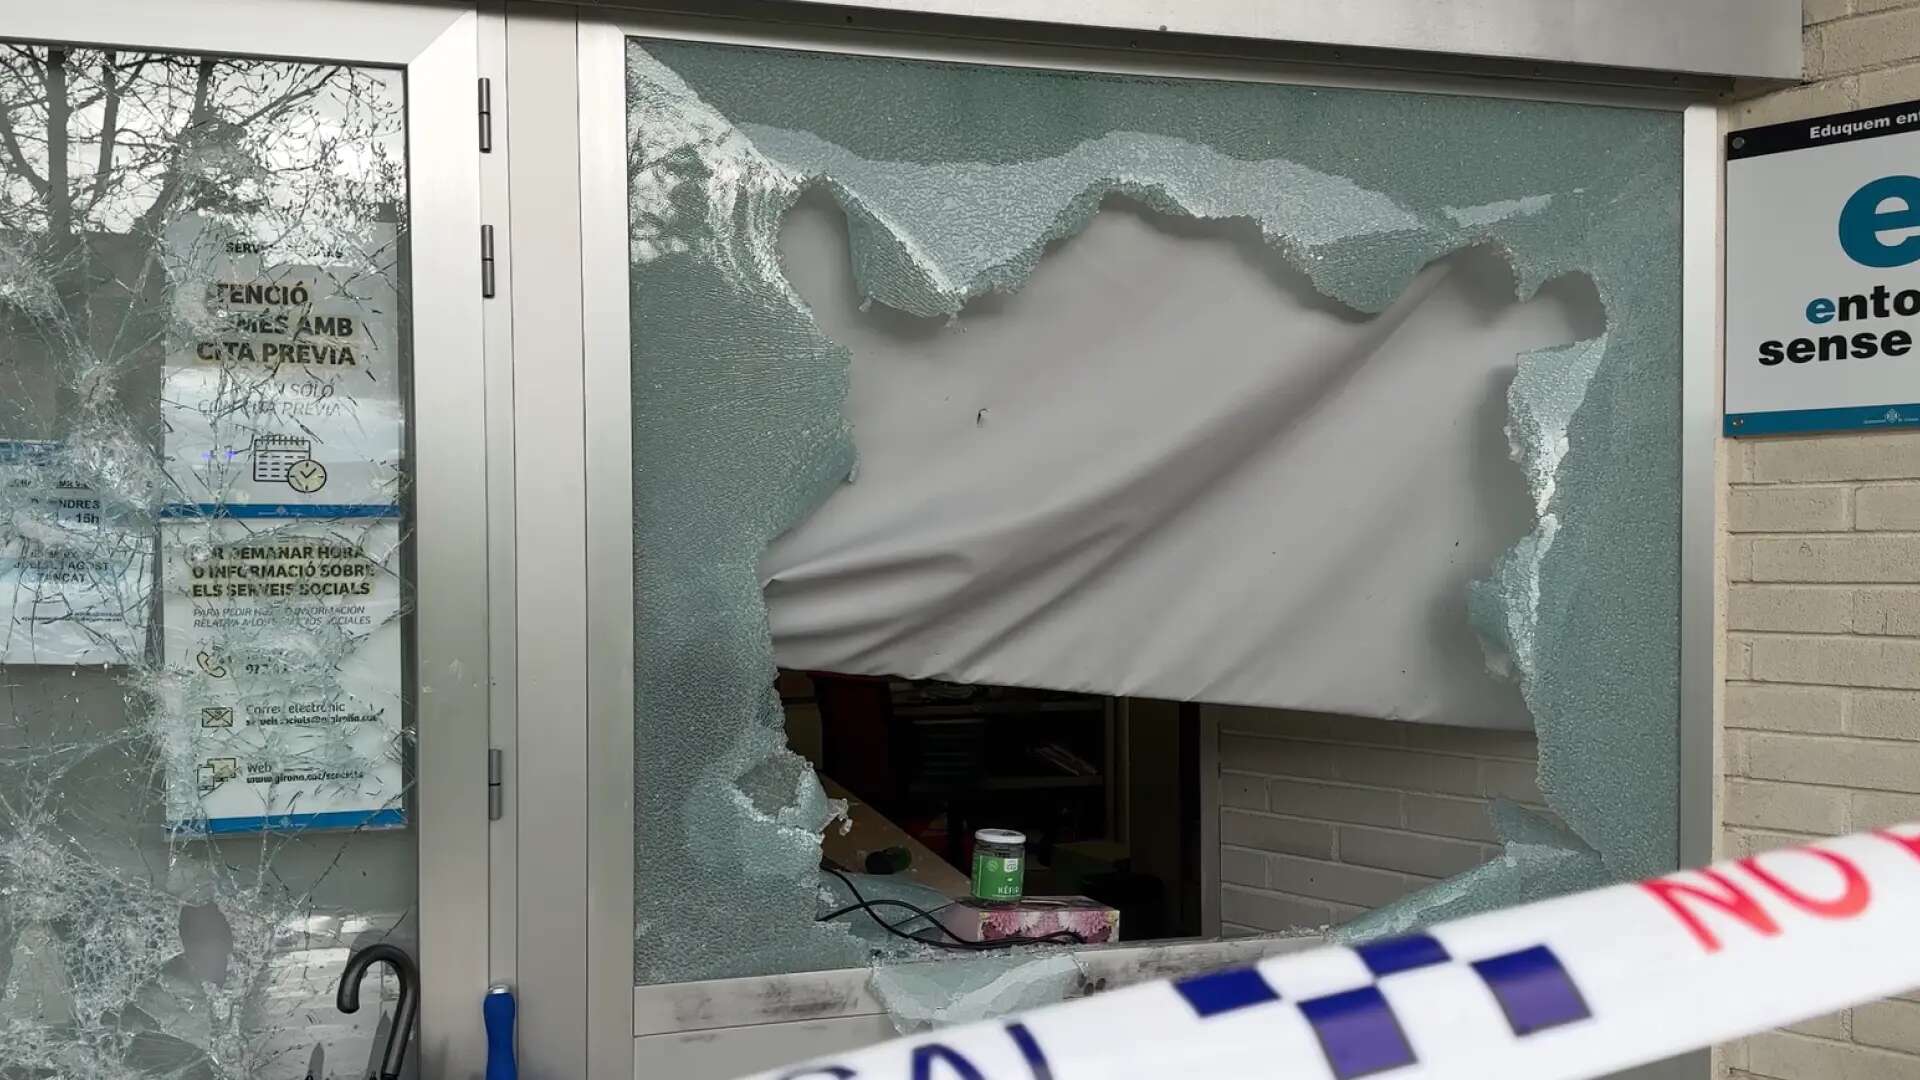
{"points": [[918, 396], [203, 745]]}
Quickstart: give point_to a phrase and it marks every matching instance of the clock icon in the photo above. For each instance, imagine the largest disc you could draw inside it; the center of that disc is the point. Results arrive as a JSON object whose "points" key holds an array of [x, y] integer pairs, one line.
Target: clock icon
{"points": [[306, 477]]}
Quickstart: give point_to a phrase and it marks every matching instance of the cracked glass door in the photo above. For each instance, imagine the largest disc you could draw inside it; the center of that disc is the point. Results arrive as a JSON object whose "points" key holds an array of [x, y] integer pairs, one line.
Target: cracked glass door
{"points": [[206, 757]]}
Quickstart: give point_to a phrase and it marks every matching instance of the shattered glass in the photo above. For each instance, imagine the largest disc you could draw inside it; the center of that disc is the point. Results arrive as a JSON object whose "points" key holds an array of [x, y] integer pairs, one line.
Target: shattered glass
{"points": [[954, 179], [203, 749]]}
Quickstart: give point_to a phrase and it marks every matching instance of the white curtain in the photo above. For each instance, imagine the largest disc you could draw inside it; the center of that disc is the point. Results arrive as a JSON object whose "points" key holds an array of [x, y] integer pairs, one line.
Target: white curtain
{"points": [[1168, 468]]}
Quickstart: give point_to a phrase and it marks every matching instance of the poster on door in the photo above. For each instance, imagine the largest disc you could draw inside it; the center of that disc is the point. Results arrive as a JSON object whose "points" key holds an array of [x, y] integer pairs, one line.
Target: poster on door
{"points": [[284, 693], [75, 568], [283, 392]]}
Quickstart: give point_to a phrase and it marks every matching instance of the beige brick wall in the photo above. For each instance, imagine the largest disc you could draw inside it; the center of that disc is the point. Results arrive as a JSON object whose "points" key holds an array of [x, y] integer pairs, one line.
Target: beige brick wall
{"points": [[1823, 604], [1325, 817], [1859, 53], [1822, 710]]}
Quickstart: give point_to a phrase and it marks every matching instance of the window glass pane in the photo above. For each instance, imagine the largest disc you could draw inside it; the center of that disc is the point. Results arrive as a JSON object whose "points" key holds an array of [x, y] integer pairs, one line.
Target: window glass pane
{"points": [[203, 760], [1161, 389]]}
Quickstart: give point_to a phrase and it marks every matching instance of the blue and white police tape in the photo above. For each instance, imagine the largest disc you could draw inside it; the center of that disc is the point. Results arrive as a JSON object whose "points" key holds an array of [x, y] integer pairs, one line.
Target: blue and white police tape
{"points": [[1580, 986]]}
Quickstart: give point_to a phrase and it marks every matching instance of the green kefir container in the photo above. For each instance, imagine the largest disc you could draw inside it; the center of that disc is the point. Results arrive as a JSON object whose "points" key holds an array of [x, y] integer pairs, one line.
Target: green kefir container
{"points": [[999, 864]]}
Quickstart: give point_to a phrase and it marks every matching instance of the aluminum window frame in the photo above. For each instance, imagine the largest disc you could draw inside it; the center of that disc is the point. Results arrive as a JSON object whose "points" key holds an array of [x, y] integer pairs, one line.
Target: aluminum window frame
{"points": [[605, 505], [1738, 38], [554, 641], [434, 45]]}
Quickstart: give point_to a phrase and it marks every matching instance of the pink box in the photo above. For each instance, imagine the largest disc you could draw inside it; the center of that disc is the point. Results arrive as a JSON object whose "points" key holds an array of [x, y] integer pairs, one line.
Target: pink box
{"points": [[1035, 916]]}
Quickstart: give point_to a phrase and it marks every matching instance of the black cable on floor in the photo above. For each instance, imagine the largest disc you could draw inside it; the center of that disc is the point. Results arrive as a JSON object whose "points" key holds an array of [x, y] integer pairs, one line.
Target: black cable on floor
{"points": [[1058, 937]]}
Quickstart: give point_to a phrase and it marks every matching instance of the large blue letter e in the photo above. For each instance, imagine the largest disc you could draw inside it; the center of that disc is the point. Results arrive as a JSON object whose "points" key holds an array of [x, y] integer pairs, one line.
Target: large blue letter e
{"points": [[1862, 222]]}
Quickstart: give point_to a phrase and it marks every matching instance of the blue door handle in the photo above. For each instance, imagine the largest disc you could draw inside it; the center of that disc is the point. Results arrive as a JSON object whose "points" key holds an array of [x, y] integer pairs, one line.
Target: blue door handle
{"points": [[497, 1009]]}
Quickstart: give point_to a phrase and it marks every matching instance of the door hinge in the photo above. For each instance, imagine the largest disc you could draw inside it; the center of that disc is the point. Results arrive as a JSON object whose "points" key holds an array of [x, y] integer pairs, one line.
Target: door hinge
{"points": [[486, 261], [486, 116], [496, 784]]}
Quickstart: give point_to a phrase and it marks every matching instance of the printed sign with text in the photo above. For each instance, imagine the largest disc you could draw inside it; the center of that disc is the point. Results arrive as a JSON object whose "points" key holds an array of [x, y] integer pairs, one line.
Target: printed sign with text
{"points": [[282, 651], [1823, 274], [75, 569], [283, 372]]}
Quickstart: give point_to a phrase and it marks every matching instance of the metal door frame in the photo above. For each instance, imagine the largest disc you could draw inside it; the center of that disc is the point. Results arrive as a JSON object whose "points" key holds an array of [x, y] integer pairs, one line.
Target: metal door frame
{"points": [[1757, 39], [434, 44], [547, 898]]}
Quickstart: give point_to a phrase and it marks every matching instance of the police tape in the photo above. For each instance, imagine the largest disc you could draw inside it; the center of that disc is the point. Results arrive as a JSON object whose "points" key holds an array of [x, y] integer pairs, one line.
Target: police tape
{"points": [[1579, 986]]}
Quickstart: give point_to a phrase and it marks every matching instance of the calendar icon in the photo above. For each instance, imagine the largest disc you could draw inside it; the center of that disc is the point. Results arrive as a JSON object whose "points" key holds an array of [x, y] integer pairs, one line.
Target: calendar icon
{"points": [[274, 455]]}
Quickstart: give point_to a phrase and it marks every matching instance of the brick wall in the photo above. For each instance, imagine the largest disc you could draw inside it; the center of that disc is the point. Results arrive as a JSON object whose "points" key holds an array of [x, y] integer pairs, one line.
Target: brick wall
{"points": [[1859, 53], [1823, 604], [1325, 817], [1823, 690]]}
